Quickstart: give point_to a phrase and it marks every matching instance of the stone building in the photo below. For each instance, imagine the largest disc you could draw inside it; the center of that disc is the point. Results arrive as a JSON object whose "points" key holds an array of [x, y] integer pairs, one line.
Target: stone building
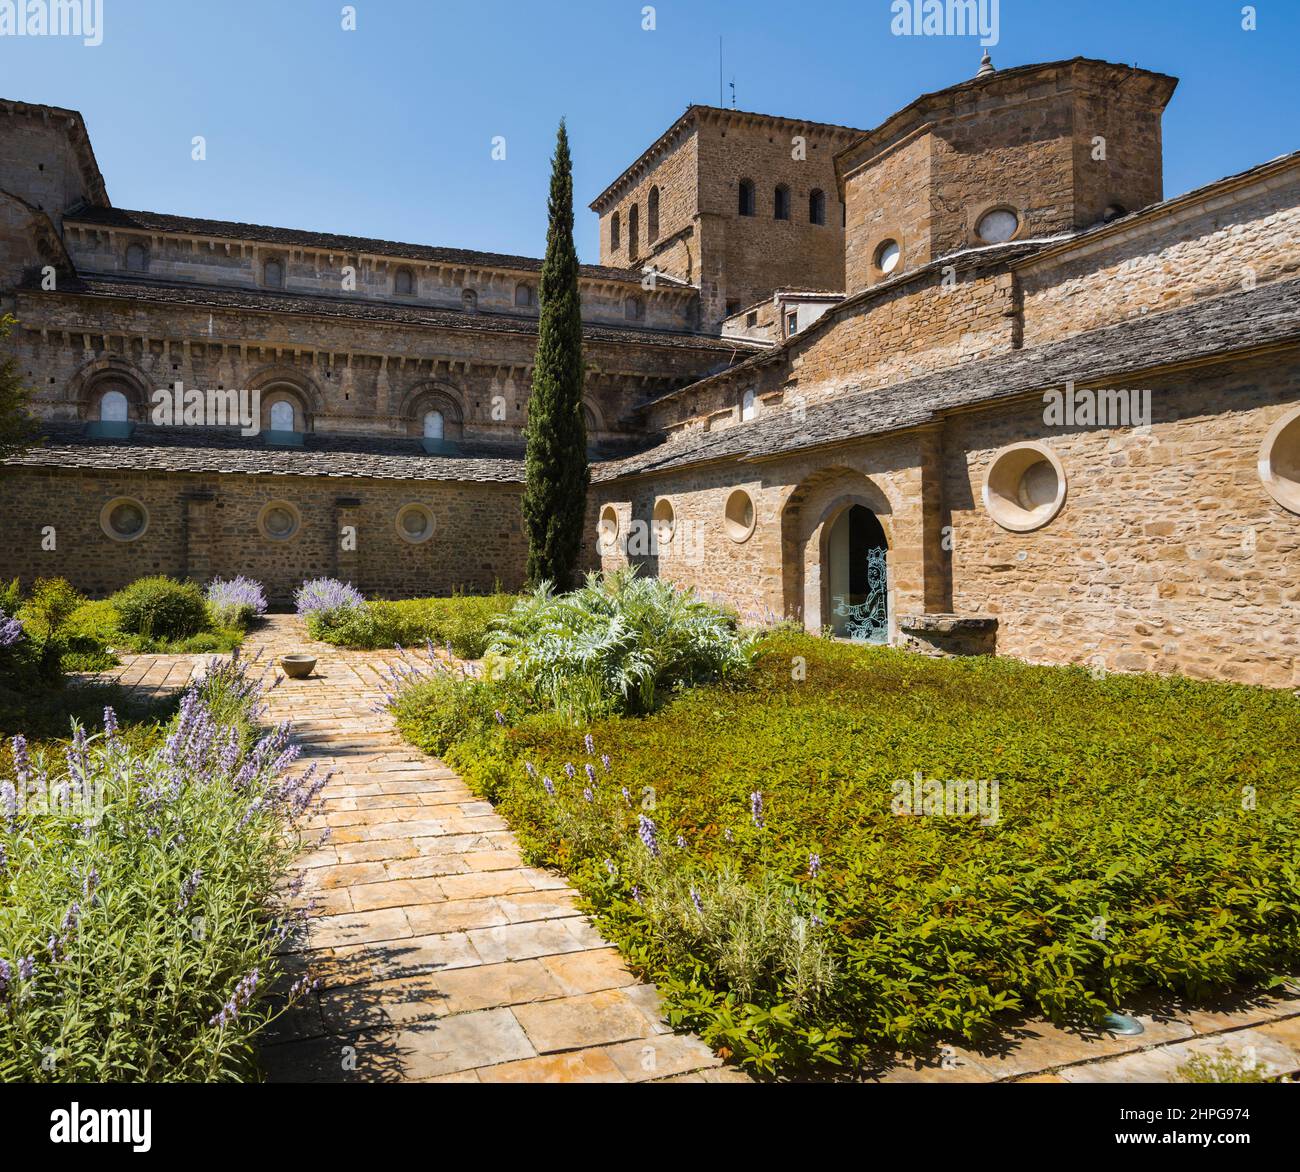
{"points": [[963, 382]]}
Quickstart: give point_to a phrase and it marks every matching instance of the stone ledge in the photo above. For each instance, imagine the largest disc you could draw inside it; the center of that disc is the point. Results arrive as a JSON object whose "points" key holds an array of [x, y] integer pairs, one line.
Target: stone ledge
{"points": [[948, 624]]}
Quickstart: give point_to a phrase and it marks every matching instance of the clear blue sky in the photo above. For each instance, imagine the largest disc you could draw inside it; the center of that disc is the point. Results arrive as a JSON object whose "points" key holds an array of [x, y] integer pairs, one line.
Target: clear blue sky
{"points": [[387, 131]]}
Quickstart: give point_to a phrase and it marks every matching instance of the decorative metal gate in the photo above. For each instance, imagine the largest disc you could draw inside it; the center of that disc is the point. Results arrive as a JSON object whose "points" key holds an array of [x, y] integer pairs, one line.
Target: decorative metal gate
{"points": [[868, 621]]}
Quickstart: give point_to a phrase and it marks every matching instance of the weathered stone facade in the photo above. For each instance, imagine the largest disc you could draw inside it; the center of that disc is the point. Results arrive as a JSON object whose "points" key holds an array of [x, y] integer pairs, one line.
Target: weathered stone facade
{"points": [[1077, 442]]}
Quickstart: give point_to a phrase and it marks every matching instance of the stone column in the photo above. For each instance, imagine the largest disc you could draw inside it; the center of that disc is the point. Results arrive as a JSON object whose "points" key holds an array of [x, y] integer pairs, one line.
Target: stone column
{"points": [[199, 536], [936, 553], [347, 540]]}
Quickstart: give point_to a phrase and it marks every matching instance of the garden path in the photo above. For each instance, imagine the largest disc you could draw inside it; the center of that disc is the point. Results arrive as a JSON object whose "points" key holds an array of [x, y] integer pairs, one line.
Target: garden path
{"points": [[443, 958]]}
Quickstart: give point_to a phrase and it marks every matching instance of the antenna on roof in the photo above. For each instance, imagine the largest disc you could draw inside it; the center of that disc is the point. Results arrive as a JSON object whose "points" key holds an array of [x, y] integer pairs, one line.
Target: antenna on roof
{"points": [[733, 93]]}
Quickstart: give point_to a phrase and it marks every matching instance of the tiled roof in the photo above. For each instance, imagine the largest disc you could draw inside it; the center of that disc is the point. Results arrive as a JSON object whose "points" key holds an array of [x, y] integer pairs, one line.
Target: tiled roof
{"points": [[1268, 315], [297, 238], [271, 301], [210, 450]]}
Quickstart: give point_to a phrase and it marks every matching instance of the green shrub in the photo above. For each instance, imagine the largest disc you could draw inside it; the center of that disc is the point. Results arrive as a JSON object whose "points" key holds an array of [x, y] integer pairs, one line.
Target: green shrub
{"points": [[52, 603], [617, 644], [462, 622], [1148, 840], [141, 929], [161, 608]]}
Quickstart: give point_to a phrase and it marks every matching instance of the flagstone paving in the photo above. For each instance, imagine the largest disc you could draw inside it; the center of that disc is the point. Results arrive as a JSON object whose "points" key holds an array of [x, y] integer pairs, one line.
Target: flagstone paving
{"points": [[442, 957]]}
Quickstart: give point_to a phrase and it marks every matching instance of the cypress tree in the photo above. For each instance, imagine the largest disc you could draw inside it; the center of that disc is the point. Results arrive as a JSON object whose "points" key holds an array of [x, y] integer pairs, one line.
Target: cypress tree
{"points": [[555, 461], [16, 430]]}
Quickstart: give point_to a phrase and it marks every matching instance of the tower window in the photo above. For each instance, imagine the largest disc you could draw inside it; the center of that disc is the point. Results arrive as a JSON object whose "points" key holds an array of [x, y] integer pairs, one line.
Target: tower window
{"points": [[781, 203], [746, 197], [113, 407], [434, 425], [525, 298], [137, 258], [404, 283], [273, 274], [817, 207], [633, 231], [652, 217], [615, 232]]}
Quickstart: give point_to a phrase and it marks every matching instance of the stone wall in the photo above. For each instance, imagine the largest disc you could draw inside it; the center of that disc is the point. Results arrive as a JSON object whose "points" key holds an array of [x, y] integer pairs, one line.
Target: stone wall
{"points": [[1168, 555], [207, 526], [355, 376], [1211, 244]]}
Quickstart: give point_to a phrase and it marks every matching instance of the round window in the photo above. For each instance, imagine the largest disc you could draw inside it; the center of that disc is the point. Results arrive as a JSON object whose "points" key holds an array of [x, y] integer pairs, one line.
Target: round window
{"points": [[279, 521], [1279, 461], [665, 521], [607, 530], [414, 524], [124, 519], [740, 516], [1025, 487], [997, 226], [888, 254]]}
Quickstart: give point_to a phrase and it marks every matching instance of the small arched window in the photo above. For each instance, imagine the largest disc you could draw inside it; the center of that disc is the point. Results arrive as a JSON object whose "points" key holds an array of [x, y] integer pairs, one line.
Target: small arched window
{"points": [[746, 197], [633, 231], [282, 416], [781, 203], [748, 405], [615, 232], [524, 296], [634, 309], [817, 207], [435, 426], [113, 407], [404, 283], [652, 217], [468, 300], [137, 258], [273, 274]]}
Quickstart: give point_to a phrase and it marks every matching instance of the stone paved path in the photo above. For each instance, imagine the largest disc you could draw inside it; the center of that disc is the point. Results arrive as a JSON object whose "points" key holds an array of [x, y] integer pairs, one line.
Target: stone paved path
{"points": [[441, 956], [444, 959]]}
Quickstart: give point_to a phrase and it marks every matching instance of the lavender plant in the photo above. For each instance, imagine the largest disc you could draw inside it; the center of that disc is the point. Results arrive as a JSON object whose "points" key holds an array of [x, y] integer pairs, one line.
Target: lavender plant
{"points": [[235, 602], [11, 630], [142, 894], [326, 602]]}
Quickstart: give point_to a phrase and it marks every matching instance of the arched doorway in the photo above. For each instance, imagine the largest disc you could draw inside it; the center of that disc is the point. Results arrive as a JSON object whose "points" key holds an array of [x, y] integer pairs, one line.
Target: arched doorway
{"points": [[856, 576]]}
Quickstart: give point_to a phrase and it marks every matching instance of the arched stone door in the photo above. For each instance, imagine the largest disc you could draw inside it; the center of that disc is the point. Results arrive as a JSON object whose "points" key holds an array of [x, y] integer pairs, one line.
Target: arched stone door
{"points": [[836, 537], [855, 576]]}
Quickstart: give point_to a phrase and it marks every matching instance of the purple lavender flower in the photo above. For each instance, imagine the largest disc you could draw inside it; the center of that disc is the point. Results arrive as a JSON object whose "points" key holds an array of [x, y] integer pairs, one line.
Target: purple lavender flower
{"points": [[609, 866], [11, 630], [756, 808], [814, 865], [636, 894], [589, 744], [110, 724], [549, 786], [27, 968], [728, 835], [328, 597], [816, 920], [9, 804], [587, 795], [6, 977], [681, 842], [237, 601], [649, 835], [569, 770], [697, 901], [530, 769], [604, 760], [591, 772], [71, 918], [627, 796], [189, 887], [21, 761], [501, 719]]}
